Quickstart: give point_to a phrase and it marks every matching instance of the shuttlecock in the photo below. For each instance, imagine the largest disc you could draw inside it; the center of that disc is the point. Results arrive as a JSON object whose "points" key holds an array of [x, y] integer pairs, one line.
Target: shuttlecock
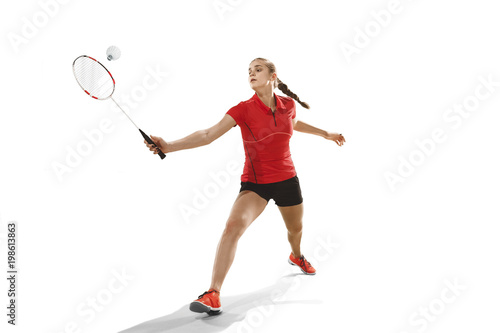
{"points": [[113, 53]]}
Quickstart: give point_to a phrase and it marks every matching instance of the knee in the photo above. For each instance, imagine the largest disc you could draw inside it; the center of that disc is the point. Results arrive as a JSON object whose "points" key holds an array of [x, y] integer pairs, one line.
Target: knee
{"points": [[235, 227], [296, 228]]}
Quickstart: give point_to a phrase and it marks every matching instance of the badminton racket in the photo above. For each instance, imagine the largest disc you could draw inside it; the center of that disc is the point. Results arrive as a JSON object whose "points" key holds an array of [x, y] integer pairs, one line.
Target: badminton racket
{"points": [[99, 84]]}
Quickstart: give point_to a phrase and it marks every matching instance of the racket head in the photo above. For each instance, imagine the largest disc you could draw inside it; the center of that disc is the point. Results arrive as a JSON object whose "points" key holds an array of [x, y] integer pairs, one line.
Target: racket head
{"points": [[93, 77]]}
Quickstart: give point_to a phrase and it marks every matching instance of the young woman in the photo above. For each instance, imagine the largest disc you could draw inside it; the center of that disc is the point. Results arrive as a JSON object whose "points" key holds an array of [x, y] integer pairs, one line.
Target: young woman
{"points": [[267, 122]]}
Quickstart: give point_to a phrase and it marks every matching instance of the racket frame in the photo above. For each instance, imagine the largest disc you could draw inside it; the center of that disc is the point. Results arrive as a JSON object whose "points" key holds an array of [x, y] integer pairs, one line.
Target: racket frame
{"points": [[76, 78]]}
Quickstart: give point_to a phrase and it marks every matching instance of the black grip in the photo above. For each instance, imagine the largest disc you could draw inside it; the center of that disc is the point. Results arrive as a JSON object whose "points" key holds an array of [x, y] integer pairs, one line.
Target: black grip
{"points": [[148, 140]]}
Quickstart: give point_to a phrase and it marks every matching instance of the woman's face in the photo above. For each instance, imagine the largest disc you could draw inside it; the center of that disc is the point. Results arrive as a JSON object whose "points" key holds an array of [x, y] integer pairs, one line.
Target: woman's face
{"points": [[258, 75]]}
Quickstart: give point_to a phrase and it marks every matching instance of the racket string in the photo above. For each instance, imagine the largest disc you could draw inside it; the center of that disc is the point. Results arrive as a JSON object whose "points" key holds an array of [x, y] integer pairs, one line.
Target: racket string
{"points": [[93, 78]]}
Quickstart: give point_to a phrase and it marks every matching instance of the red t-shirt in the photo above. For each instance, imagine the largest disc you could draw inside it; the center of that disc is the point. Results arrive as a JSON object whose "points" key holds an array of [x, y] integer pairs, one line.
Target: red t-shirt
{"points": [[266, 138]]}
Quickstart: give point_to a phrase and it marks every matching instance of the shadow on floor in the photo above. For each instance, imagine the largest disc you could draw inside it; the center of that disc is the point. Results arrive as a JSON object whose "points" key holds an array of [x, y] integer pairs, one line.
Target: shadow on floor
{"points": [[235, 309]]}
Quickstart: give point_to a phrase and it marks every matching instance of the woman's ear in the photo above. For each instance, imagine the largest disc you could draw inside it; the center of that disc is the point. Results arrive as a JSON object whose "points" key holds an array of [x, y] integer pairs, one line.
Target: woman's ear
{"points": [[275, 79]]}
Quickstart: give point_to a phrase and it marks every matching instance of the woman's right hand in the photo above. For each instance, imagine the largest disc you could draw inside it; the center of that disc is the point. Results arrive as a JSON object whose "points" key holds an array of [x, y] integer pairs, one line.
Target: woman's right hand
{"points": [[159, 142]]}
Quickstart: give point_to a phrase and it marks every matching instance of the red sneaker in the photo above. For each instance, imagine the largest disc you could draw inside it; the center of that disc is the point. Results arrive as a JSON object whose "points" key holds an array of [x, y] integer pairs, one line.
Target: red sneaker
{"points": [[208, 302], [304, 265]]}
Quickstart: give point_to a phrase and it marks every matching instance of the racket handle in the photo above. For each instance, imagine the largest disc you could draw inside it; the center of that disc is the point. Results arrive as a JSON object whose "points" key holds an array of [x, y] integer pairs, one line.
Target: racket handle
{"points": [[148, 140]]}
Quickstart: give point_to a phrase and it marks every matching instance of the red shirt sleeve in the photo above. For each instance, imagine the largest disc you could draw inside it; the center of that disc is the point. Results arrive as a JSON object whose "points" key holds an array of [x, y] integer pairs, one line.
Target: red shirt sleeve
{"points": [[293, 111], [237, 112]]}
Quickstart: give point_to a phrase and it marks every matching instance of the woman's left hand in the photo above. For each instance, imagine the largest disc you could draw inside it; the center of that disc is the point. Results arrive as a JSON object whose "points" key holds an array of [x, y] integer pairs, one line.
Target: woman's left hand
{"points": [[338, 138]]}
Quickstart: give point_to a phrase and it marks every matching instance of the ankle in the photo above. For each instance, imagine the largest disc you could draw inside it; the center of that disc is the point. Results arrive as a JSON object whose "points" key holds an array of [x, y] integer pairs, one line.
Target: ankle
{"points": [[214, 289]]}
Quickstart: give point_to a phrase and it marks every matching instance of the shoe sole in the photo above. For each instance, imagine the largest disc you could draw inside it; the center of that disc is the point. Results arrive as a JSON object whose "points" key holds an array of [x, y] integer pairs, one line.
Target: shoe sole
{"points": [[303, 271], [200, 308]]}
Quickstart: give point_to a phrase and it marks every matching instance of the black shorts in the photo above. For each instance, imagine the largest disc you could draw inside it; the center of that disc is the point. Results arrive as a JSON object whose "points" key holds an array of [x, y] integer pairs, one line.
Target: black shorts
{"points": [[284, 193]]}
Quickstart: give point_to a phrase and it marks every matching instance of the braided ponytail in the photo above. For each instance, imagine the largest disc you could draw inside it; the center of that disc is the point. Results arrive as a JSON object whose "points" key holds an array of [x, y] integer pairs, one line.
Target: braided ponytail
{"points": [[284, 88], [281, 86]]}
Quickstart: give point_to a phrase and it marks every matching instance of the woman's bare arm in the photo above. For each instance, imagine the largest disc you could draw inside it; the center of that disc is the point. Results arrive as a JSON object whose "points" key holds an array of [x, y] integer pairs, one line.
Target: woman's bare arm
{"points": [[303, 127], [196, 139]]}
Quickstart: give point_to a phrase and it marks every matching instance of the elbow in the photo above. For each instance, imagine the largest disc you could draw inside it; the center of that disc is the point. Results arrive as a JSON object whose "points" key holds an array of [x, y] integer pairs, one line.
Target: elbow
{"points": [[207, 138]]}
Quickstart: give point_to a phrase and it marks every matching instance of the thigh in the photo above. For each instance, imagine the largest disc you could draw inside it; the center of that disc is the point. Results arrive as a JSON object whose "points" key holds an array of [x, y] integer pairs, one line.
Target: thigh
{"points": [[292, 215], [246, 208]]}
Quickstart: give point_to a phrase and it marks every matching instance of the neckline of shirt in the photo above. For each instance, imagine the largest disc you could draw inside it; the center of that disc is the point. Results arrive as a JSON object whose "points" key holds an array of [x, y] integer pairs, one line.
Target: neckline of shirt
{"points": [[265, 108]]}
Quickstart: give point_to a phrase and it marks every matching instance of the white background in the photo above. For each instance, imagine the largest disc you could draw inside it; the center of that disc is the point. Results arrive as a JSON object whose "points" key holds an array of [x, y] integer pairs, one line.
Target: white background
{"points": [[117, 210]]}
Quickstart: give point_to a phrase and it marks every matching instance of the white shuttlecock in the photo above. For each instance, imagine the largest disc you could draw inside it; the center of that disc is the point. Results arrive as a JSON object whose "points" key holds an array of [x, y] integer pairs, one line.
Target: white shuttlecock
{"points": [[113, 53]]}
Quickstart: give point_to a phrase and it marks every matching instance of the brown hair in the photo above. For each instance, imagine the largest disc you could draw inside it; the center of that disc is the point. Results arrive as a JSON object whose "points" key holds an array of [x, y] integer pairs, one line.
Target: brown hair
{"points": [[281, 86]]}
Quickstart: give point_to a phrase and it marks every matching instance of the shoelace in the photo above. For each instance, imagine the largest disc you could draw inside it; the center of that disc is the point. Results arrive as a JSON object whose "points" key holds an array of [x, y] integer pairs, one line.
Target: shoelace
{"points": [[206, 292], [304, 262]]}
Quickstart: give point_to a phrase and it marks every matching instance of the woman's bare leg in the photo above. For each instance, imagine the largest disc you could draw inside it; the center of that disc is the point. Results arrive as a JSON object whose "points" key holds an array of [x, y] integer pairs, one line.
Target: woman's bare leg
{"points": [[292, 215], [246, 208]]}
